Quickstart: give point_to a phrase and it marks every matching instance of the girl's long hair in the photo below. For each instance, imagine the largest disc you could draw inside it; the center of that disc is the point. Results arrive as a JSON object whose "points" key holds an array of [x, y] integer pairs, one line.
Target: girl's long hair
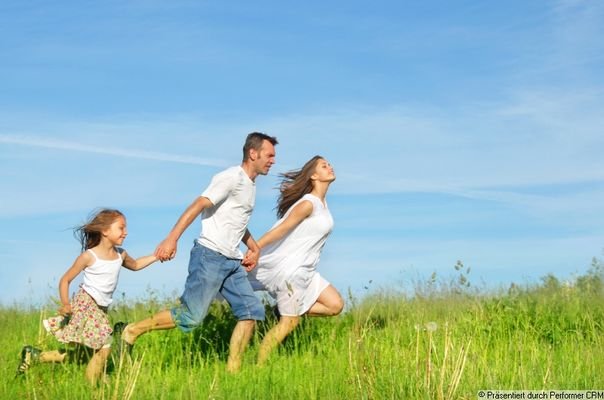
{"points": [[295, 184], [90, 233]]}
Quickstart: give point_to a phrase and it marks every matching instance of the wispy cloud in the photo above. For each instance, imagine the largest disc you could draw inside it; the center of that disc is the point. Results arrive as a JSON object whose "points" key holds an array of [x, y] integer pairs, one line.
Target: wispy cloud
{"points": [[485, 151], [36, 141]]}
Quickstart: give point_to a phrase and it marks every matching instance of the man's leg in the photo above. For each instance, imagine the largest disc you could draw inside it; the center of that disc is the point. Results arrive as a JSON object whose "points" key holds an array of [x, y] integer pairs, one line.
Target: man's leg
{"points": [[161, 320], [246, 307], [275, 336], [239, 340], [203, 280]]}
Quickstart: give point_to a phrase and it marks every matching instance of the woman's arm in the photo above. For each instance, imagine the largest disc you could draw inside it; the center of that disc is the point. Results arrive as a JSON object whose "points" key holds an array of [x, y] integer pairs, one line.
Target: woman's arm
{"points": [[298, 214]]}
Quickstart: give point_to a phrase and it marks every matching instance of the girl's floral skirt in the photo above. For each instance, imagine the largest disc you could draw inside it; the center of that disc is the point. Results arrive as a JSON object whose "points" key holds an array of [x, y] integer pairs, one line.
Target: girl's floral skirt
{"points": [[87, 325]]}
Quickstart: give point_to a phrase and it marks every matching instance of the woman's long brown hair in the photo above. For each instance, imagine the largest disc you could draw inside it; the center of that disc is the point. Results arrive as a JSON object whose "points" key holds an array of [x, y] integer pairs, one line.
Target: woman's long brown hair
{"points": [[295, 184]]}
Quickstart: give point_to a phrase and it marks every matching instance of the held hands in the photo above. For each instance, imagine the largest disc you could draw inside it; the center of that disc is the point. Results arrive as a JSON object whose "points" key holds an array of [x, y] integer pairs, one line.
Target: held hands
{"points": [[166, 250], [250, 260]]}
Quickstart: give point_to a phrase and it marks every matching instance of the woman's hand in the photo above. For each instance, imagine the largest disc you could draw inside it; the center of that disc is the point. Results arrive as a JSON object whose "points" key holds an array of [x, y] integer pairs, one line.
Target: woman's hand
{"points": [[250, 260]]}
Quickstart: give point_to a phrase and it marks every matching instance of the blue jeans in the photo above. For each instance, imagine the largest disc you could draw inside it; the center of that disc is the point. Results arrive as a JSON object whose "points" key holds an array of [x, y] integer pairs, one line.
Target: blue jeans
{"points": [[209, 273]]}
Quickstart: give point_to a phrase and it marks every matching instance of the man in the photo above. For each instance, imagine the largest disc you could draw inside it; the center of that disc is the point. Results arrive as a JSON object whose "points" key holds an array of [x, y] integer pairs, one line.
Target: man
{"points": [[216, 264]]}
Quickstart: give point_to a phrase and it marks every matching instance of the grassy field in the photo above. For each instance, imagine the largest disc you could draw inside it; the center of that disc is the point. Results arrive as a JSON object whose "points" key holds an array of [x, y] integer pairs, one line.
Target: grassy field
{"points": [[445, 341]]}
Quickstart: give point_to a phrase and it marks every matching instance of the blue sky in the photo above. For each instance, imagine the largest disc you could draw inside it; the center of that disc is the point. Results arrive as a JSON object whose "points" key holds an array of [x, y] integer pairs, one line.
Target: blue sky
{"points": [[460, 130]]}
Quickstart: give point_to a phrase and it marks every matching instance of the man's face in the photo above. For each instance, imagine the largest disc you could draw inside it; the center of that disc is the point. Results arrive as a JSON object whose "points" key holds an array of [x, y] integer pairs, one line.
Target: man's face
{"points": [[265, 158]]}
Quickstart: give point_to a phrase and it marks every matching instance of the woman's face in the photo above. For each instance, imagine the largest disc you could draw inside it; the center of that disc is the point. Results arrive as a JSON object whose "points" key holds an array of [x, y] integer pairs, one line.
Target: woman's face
{"points": [[324, 171]]}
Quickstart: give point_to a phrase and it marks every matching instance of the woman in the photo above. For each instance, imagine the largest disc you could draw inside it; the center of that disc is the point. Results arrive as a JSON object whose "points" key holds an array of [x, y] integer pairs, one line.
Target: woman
{"points": [[291, 249]]}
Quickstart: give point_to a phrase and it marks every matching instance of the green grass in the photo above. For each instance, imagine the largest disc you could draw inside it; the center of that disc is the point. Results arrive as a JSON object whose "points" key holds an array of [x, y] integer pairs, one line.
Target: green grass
{"points": [[446, 340]]}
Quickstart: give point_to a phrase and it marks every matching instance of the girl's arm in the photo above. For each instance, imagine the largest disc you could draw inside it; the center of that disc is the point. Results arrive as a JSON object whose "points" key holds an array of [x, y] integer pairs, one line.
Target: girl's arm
{"points": [[83, 260], [298, 214], [139, 263]]}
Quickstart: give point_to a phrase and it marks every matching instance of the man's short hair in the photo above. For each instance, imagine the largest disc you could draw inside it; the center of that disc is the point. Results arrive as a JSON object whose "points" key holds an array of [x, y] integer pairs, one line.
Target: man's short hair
{"points": [[254, 141]]}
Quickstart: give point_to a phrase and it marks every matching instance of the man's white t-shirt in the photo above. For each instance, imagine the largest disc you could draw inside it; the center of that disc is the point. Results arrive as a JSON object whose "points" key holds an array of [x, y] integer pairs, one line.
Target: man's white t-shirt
{"points": [[233, 194]]}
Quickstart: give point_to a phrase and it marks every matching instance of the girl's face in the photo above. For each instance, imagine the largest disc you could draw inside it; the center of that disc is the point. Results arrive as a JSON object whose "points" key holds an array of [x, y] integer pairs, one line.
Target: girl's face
{"points": [[117, 232], [324, 171]]}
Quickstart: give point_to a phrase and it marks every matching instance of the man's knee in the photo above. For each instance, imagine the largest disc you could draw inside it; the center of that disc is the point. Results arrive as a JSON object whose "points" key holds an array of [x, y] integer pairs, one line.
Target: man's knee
{"points": [[253, 313], [247, 323], [187, 319]]}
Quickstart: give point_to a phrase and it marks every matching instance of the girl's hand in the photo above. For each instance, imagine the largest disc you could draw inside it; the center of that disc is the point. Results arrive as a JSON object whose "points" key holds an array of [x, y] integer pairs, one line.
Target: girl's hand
{"points": [[65, 309]]}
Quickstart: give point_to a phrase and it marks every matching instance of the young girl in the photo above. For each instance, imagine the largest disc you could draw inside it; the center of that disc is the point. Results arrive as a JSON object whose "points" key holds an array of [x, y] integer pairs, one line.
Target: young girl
{"points": [[290, 252], [84, 320]]}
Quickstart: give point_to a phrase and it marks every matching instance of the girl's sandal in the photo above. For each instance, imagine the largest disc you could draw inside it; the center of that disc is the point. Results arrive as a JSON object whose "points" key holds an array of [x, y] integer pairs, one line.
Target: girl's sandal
{"points": [[29, 355]]}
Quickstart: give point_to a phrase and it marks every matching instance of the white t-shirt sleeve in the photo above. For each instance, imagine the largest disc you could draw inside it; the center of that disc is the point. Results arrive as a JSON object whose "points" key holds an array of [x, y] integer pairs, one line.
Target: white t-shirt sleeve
{"points": [[219, 188], [232, 193]]}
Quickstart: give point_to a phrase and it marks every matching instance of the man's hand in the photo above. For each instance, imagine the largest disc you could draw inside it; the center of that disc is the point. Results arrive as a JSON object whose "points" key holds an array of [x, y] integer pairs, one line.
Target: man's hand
{"points": [[250, 260], [166, 250]]}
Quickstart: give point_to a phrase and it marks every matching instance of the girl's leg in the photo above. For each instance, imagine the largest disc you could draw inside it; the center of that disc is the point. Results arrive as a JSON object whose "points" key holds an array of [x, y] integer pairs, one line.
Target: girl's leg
{"points": [[54, 356], [97, 365], [161, 320], [328, 304], [275, 336], [31, 355]]}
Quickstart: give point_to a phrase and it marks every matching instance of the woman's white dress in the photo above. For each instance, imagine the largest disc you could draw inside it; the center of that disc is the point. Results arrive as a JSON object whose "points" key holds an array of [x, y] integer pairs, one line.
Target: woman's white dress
{"points": [[287, 268]]}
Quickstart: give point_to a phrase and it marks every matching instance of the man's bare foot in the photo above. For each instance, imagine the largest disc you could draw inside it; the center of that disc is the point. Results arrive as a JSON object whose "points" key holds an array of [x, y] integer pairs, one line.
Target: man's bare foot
{"points": [[128, 336]]}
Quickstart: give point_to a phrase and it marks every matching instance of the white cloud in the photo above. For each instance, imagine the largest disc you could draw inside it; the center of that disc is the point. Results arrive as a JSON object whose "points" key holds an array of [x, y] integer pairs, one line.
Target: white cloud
{"points": [[38, 141], [484, 151]]}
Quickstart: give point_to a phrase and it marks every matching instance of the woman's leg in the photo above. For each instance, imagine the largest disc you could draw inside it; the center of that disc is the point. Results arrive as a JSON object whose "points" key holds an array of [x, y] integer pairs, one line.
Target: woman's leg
{"points": [[328, 304], [97, 365], [275, 336]]}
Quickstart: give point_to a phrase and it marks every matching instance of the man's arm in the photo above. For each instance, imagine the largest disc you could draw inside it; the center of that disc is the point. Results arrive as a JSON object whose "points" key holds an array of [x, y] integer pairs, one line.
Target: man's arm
{"points": [[166, 250], [253, 252]]}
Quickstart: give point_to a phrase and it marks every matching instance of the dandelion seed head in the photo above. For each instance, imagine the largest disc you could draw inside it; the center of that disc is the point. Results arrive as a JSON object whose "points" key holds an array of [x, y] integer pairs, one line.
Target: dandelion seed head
{"points": [[431, 326]]}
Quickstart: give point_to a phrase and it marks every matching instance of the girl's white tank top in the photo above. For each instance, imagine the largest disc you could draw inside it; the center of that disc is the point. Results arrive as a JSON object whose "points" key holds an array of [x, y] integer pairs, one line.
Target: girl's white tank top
{"points": [[100, 279]]}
